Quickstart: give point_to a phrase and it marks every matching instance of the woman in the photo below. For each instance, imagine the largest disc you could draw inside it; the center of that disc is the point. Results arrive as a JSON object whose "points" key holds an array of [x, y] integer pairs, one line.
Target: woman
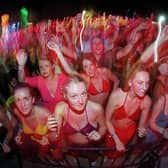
{"points": [[127, 111], [81, 120], [48, 83], [98, 80], [33, 136], [8, 154], [104, 59], [161, 86], [159, 119]]}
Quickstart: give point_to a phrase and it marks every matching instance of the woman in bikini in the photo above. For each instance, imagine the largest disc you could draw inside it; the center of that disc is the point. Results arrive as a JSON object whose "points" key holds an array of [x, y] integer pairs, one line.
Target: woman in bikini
{"points": [[32, 139], [81, 120], [127, 111], [99, 80]]}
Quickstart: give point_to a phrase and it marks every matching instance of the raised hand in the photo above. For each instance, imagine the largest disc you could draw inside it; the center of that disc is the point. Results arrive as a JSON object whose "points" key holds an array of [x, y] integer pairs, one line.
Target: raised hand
{"points": [[164, 34], [52, 43], [143, 26], [21, 57]]}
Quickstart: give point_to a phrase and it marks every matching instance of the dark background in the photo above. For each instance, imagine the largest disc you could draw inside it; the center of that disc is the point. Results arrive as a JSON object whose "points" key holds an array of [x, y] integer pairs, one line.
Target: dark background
{"points": [[44, 9]]}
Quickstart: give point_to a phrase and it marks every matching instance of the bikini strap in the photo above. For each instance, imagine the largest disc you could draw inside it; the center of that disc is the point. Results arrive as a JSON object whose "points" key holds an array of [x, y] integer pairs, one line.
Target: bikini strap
{"points": [[66, 121], [87, 117], [125, 99]]}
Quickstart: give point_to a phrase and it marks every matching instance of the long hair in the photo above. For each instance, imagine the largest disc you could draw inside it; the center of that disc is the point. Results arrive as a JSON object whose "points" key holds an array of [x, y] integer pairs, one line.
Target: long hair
{"points": [[89, 57], [133, 71]]}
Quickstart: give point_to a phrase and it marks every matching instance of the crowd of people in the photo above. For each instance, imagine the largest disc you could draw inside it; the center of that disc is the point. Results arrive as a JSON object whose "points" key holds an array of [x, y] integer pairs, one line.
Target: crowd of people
{"points": [[94, 88]]}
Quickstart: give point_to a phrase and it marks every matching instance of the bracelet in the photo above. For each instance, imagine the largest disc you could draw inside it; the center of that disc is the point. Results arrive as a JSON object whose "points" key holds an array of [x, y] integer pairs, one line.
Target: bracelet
{"points": [[113, 134], [20, 68]]}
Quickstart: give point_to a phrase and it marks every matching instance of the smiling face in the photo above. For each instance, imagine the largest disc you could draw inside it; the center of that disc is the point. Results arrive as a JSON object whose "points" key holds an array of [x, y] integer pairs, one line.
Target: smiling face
{"points": [[46, 68], [76, 94], [89, 67], [140, 83], [24, 100], [97, 47]]}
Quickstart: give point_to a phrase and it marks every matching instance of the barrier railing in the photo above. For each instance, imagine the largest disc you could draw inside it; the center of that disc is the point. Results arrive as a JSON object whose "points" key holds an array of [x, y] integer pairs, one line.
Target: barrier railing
{"points": [[146, 155]]}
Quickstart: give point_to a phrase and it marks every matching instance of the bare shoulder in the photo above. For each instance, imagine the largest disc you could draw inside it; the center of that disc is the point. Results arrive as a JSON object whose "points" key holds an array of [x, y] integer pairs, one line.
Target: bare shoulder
{"points": [[147, 102], [41, 110], [61, 108], [161, 100], [61, 105], [93, 106], [104, 71], [117, 94]]}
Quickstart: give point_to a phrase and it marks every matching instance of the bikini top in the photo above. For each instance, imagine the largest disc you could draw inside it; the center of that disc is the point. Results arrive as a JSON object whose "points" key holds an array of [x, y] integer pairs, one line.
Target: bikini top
{"points": [[93, 91], [70, 130], [121, 113], [39, 130]]}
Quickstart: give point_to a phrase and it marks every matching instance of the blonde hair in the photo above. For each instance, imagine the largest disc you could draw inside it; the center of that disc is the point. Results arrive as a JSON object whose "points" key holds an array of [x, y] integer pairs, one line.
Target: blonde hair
{"points": [[70, 80], [133, 71]]}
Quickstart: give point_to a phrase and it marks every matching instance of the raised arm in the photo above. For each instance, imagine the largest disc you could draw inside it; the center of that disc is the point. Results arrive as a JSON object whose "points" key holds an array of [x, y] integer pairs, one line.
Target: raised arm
{"points": [[112, 77], [21, 57], [68, 49], [52, 45], [148, 54]]}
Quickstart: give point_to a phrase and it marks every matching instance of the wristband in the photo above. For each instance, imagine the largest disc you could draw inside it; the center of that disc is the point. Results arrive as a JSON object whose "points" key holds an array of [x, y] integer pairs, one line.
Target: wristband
{"points": [[113, 134], [20, 68]]}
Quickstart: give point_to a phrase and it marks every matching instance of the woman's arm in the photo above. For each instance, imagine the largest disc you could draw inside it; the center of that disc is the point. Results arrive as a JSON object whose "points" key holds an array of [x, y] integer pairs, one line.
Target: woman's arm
{"points": [[110, 108], [112, 77], [157, 109], [148, 54], [100, 120], [6, 124], [68, 50], [146, 104], [53, 46], [21, 57], [59, 114]]}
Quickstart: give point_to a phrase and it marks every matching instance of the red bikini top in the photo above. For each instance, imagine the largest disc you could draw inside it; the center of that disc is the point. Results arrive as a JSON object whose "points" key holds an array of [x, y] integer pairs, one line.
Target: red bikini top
{"points": [[121, 113], [93, 91]]}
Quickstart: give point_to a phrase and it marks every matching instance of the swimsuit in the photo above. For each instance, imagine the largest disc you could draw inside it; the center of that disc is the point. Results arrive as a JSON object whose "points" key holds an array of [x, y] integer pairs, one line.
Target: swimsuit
{"points": [[125, 133], [69, 130], [93, 91]]}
